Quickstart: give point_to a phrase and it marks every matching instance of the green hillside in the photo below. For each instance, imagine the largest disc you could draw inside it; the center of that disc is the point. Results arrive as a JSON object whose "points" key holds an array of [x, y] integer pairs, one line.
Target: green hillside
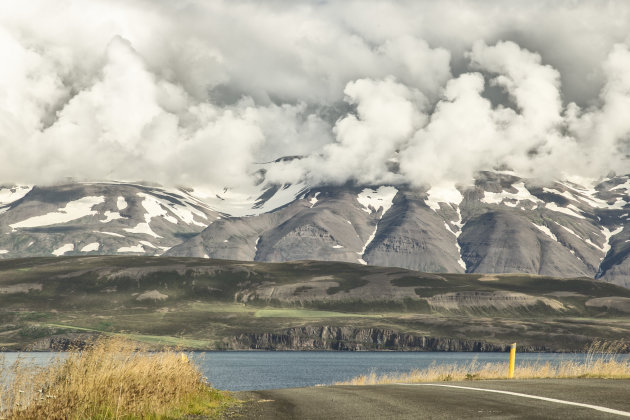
{"points": [[217, 304]]}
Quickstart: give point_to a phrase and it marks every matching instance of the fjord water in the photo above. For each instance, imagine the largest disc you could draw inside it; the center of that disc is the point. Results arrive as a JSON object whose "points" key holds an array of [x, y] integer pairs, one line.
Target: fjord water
{"points": [[255, 370]]}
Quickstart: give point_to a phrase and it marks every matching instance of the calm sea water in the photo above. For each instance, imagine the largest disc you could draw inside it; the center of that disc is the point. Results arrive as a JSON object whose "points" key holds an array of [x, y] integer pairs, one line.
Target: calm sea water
{"points": [[253, 370]]}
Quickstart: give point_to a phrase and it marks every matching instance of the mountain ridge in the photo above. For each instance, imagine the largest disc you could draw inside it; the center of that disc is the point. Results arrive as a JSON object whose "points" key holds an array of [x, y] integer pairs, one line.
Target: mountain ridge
{"points": [[503, 223]]}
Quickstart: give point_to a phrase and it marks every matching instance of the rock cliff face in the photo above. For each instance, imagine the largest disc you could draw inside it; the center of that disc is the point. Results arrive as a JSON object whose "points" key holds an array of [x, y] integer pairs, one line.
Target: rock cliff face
{"points": [[63, 342], [320, 338], [358, 339]]}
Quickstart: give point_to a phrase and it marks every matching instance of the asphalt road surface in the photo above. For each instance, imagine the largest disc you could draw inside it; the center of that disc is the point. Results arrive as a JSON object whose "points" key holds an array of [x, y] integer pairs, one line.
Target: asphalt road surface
{"points": [[553, 399]]}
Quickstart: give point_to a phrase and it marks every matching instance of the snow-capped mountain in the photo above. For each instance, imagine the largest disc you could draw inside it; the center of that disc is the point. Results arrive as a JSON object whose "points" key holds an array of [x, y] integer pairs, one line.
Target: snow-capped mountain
{"points": [[117, 217], [503, 224], [97, 218]]}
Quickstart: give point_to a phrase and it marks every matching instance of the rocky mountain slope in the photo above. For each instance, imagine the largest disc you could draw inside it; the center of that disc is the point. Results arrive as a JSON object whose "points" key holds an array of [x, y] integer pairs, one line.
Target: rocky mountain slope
{"points": [[97, 218], [502, 224]]}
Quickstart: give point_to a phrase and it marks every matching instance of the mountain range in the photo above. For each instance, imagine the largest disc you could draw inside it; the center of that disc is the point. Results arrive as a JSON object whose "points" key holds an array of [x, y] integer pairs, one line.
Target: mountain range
{"points": [[502, 224]]}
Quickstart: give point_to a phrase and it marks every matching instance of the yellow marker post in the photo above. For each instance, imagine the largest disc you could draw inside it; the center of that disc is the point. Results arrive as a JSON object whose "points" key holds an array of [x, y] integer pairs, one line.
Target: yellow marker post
{"points": [[512, 359]]}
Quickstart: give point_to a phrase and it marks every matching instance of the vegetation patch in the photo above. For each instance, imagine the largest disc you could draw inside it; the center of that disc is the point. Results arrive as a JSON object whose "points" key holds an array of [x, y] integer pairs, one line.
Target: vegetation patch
{"points": [[409, 281], [602, 361], [111, 378], [300, 313], [301, 289], [347, 284]]}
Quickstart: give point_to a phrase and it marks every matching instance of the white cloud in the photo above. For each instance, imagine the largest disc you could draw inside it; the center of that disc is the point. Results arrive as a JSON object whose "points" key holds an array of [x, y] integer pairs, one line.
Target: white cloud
{"points": [[200, 93]]}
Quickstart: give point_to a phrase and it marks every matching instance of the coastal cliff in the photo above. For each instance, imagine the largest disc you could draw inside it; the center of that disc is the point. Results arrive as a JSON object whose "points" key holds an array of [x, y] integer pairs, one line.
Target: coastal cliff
{"points": [[362, 339]]}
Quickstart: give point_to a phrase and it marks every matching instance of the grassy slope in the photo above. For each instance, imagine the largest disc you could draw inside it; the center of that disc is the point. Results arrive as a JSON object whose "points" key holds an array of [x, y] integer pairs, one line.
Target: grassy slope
{"points": [[208, 300]]}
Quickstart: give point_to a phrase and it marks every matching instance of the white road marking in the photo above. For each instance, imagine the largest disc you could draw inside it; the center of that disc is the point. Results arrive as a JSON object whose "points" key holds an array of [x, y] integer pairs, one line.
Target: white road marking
{"points": [[535, 397]]}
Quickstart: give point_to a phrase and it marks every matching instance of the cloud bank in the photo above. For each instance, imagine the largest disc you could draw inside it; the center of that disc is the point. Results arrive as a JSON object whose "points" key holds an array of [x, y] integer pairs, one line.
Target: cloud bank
{"points": [[201, 93]]}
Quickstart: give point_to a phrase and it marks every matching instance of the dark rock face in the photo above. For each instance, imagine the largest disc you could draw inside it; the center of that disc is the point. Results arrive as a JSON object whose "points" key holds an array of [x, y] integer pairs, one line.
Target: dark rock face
{"points": [[413, 236], [358, 339], [504, 242], [64, 342]]}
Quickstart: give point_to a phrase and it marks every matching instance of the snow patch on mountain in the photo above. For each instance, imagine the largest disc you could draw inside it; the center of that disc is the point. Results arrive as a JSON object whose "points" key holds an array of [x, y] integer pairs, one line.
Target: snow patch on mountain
{"points": [[511, 199], [443, 194], [3, 251], [10, 195], [588, 241], [94, 246], [72, 211], [147, 244], [595, 202], [121, 203], [184, 205], [313, 199], [118, 235], [137, 248], [459, 223], [285, 195], [111, 215], [570, 231], [450, 195], [607, 236], [63, 249], [157, 207], [248, 202], [546, 231], [153, 208], [373, 200], [570, 210], [588, 194], [143, 228], [566, 194], [625, 187], [369, 241]]}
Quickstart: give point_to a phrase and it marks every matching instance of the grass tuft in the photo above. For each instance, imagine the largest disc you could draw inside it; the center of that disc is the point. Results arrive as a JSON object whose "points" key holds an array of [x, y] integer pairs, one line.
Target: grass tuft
{"points": [[602, 361], [110, 379]]}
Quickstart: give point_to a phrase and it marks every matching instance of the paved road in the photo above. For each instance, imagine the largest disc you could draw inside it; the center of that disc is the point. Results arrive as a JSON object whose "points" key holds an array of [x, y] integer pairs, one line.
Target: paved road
{"points": [[440, 402]]}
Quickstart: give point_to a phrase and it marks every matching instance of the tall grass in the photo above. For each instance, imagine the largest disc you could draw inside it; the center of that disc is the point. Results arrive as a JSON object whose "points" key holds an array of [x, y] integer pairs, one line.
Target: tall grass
{"points": [[602, 360], [109, 379]]}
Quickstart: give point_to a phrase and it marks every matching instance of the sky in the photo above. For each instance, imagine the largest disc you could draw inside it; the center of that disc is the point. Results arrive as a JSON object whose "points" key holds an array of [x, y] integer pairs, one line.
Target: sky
{"points": [[207, 93]]}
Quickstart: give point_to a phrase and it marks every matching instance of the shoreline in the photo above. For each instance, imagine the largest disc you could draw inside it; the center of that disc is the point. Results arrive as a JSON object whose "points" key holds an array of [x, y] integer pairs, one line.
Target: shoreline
{"points": [[3, 351]]}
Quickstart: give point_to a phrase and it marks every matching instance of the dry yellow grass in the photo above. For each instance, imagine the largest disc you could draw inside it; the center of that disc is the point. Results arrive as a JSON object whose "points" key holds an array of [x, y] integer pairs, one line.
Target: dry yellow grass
{"points": [[601, 361], [110, 379]]}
